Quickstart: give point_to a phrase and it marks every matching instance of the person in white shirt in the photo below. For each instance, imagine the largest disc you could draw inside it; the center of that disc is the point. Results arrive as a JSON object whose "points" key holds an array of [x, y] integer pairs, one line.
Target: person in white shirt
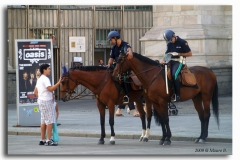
{"points": [[43, 91]]}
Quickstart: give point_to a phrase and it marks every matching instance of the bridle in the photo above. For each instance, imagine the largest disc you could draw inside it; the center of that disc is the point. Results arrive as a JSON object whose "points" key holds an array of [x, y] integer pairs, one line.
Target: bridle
{"points": [[70, 91], [120, 73], [122, 58]]}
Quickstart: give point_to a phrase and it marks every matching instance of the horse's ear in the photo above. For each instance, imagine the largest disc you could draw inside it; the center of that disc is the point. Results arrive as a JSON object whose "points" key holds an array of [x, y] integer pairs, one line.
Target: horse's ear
{"points": [[64, 70]]}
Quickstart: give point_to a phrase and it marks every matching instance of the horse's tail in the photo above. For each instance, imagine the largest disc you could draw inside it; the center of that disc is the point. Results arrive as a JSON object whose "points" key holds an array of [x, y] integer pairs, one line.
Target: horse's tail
{"points": [[157, 117], [215, 103]]}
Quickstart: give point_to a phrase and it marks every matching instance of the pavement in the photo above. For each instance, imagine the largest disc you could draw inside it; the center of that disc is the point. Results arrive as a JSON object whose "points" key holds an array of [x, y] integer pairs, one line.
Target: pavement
{"points": [[129, 148], [80, 118]]}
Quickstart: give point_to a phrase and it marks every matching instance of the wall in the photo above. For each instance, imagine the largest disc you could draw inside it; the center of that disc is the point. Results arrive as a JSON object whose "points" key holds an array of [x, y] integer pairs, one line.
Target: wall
{"points": [[12, 86], [206, 28], [224, 79], [62, 22]]}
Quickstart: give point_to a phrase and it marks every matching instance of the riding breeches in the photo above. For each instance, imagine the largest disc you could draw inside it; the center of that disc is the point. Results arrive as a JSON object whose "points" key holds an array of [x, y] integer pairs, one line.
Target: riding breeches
{"points": [[175, 69], [126, 86]]}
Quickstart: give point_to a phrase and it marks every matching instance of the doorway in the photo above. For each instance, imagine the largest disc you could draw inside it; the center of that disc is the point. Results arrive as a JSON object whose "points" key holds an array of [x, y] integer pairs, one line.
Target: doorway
{"points": [[101, 53]]}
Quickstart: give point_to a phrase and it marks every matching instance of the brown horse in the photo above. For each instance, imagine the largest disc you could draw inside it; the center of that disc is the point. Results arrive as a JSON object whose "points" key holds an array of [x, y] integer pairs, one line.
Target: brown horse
{"points": [[151, 75], [98, 79]]}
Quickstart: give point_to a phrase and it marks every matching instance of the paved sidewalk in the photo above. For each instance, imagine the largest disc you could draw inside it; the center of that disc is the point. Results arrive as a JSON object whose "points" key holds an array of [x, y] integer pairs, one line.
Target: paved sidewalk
{"points": [[81, 118]]}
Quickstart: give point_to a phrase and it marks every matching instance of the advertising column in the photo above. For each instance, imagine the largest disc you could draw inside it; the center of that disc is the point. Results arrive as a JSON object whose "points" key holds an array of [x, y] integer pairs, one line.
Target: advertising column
{"points": [[31, 54]]}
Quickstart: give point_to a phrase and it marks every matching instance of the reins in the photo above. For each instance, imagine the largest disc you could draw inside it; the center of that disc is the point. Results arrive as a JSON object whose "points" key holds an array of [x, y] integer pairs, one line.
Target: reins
{"points": [[120, 69], [148, 70], [77, 83]]}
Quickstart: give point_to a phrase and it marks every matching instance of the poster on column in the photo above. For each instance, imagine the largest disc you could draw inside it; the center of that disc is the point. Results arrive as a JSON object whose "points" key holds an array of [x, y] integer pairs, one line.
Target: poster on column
{"points": [[30, 55]]}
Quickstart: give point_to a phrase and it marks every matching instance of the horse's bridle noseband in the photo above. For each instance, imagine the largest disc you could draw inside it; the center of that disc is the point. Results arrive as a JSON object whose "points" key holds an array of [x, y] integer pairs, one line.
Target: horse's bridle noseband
{"points": [[69, 91]]}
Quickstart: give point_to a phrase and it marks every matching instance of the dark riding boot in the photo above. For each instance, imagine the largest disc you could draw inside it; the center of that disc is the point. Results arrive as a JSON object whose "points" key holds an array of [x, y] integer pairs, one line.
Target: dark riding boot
{"points": [[127, 90], [176, 98]]}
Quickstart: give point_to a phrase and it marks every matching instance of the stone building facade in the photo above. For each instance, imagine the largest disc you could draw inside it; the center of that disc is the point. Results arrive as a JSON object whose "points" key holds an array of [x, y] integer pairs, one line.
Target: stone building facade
{"points": [[207, 28]]}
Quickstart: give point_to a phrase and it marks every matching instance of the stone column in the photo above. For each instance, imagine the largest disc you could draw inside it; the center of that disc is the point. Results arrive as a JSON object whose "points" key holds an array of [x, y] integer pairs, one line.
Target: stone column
{"points": [[207, 28]]}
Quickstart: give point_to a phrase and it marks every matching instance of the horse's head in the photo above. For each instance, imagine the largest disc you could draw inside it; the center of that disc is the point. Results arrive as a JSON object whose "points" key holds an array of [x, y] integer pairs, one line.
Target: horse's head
{"points": [[68, 85], [122, 66]]}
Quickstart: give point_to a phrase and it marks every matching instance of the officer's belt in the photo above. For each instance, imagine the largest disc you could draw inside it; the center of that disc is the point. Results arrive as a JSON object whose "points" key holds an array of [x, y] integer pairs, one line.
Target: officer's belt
{"points": [[181, 59]]}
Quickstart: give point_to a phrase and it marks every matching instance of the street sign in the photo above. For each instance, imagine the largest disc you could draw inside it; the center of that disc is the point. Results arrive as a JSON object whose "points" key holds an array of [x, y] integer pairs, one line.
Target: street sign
{"points": [[77, 44]]}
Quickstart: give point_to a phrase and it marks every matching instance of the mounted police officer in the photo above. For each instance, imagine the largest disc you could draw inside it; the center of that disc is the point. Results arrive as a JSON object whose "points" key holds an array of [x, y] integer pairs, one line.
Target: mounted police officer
{"points": [[180, 50], [117, 49]]}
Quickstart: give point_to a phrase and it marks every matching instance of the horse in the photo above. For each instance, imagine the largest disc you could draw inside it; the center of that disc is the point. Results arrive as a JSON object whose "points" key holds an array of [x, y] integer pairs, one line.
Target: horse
{"points": [[98, 79], [151, 74]]}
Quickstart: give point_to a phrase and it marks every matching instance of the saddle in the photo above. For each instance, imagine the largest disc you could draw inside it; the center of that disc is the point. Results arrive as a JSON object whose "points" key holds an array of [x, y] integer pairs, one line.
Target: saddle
{"points": [[186, 77], [135, 83]]}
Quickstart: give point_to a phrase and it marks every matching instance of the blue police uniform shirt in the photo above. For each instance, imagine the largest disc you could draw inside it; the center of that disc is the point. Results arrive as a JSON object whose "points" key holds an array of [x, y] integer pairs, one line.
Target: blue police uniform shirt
{"points": [[116, 51], [180, 46]]}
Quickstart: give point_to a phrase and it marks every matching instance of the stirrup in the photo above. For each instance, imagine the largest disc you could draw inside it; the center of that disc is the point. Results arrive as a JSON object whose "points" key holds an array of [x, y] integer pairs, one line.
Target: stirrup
{"points": [[125, 99], [175, 98]]}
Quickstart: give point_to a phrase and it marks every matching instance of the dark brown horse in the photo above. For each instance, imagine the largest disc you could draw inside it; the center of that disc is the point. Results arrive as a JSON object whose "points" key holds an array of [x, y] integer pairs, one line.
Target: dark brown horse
{"points": [[151, 75], [98, 79]]}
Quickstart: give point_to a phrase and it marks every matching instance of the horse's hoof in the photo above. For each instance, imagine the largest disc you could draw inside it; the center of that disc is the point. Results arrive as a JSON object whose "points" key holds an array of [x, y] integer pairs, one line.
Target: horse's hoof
{"points": [[197, 140], [101, 142], [161, 142], [202, 140], [112, 142], [141, 138], [145, 139], [166, 143]]}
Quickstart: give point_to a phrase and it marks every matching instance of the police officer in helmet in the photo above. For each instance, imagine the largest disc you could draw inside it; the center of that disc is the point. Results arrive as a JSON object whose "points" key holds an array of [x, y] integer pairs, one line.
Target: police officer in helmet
{"points": [[116, 50], [177, 47]]}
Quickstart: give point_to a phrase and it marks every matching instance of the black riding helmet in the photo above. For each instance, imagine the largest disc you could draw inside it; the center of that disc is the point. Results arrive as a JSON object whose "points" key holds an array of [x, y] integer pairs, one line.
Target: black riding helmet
{"points": [[112, 34], [167, 35]]}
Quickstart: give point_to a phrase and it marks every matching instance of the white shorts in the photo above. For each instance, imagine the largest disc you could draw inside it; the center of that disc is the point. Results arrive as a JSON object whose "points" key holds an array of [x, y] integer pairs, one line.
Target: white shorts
{"points": [[48, 112]]}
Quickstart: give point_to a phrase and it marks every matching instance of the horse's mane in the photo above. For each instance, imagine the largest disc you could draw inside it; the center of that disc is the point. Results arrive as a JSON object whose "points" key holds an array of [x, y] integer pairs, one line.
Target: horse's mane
{"points": [[88, 68], [145, 59]]}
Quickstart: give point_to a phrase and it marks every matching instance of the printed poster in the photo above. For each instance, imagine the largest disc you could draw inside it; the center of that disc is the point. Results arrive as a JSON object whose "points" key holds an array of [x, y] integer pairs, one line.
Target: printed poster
{"points": [[77, 44], [30, 55]]}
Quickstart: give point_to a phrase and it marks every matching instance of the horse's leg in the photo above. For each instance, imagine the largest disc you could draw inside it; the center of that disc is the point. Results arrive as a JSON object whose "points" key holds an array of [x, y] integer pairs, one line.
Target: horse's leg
{"points": [[168, 133], [139, 107], [164, 106], [158, 116], [111, 108], [149, 118], [101, 108], [197, 100], [207, 114], [162, 140]]}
